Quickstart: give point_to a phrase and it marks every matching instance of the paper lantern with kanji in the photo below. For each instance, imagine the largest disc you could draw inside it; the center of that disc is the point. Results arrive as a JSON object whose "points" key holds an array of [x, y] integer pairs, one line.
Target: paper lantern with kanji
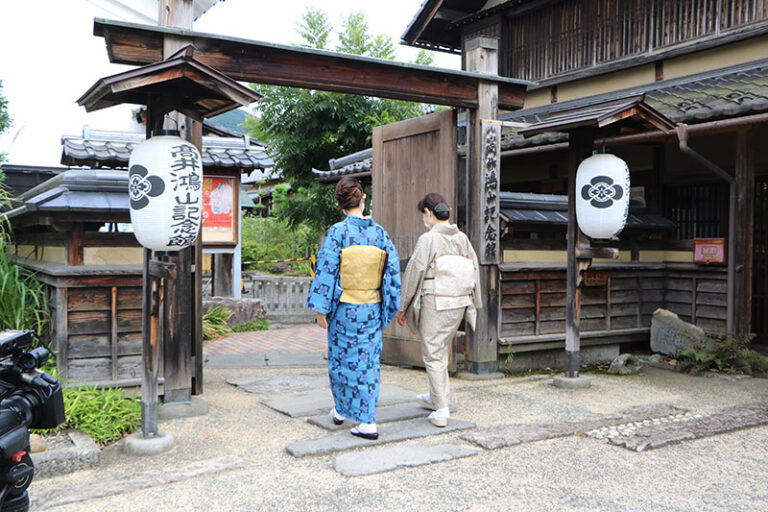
{"points": [[602, 196], [165, 175]]}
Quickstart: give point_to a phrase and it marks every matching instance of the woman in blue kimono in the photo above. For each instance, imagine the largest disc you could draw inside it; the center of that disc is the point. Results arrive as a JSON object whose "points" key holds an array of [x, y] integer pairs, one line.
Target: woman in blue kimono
{"points": [[355, 293]]}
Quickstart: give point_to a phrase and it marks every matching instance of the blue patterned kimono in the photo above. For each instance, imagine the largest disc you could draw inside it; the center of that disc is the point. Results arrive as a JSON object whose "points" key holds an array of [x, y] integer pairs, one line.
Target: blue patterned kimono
{"points": [[354, 330]]}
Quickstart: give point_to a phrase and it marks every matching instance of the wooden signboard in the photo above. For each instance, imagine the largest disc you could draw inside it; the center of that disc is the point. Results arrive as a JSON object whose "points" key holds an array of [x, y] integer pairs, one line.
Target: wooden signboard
{"points": [[709, 251], [220, 210]]}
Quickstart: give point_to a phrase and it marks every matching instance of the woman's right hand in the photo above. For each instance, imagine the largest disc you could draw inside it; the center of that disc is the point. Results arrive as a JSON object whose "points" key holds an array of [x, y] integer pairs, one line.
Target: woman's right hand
{"points": [[322, 321]]}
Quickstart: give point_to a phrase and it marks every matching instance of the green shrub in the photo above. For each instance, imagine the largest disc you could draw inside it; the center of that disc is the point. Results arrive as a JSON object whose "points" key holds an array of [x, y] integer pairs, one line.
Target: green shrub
{"points": [[215, 322], [23, 303], [254, 324], [105, 414], [730, 355], [272, 238]]}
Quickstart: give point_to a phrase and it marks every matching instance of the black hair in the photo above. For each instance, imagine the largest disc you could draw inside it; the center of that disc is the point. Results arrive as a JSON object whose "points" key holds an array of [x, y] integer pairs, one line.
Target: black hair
{"points": [[435, 203]]}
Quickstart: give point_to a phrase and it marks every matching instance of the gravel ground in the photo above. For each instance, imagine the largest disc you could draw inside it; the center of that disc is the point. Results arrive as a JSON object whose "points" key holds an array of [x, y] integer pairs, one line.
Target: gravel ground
{"points": [[726, 472]]}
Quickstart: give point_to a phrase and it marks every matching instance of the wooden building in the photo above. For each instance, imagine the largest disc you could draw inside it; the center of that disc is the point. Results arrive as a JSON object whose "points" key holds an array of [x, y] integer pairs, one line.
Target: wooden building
{"points": [[700, 63], [66, 231]]}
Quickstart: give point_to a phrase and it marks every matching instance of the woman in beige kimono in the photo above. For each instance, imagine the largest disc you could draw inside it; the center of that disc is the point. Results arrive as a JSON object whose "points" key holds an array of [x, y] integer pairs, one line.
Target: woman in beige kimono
{"points": [[441, 287]]}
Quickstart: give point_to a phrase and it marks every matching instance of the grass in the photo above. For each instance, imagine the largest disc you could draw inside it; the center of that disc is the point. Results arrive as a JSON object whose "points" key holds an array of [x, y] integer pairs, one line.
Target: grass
{"points": [[254, 324], [216, 323], [105, 414], [23, 303]]}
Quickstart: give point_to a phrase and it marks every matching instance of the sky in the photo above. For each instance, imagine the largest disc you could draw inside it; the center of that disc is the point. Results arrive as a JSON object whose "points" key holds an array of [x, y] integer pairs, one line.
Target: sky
{"points": [[49, 58]]}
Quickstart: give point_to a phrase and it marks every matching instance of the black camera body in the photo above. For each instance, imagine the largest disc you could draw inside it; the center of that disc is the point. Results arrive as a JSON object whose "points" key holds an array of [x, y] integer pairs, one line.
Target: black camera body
{"points": [[29, 398]]}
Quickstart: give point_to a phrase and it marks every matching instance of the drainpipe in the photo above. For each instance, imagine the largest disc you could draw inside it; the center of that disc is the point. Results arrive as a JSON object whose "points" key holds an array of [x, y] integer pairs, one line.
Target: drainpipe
{"points": [[682, 135]]}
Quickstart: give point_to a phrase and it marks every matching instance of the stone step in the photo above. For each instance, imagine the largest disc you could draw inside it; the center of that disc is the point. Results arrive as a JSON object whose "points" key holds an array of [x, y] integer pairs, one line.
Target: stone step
{"points": [[387, 458], [390, 433], [318, 401], [383, 415], [280, 384]]}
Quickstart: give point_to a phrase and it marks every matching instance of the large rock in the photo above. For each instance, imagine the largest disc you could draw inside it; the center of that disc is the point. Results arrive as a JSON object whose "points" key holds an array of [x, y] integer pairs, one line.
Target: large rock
{"points": [[670, 335], [242, 310]]}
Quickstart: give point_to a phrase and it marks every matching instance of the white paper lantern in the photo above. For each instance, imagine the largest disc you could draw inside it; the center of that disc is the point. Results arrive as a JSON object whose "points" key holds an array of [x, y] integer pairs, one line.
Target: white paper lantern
{"points": [[602, 195], [165, 177]]}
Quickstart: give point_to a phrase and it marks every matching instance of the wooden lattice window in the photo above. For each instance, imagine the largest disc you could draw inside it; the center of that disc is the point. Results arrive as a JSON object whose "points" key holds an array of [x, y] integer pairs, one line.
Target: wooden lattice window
{"points": [[697, 210], [576, 34]]}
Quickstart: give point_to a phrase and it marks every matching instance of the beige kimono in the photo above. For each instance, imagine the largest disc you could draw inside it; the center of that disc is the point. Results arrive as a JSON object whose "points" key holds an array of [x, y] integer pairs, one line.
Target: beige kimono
{"points": [[435, 308]]}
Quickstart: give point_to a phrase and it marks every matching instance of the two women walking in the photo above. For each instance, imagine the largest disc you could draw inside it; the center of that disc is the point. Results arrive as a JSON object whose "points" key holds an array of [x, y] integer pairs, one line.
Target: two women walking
{"points": [[356, 293]]}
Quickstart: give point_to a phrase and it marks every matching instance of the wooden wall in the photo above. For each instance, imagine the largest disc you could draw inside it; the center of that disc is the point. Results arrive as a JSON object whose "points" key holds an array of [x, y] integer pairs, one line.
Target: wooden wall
{"points": [[96, 324], [618, 301]]}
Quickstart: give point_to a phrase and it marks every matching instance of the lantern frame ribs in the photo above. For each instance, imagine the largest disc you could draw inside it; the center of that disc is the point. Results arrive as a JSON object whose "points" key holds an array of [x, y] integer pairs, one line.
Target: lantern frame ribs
{"points": [[584, 125]]}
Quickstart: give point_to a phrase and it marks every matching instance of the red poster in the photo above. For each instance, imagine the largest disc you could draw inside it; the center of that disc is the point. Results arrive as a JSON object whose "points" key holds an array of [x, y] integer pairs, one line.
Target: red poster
{"points": [[217, 203]]}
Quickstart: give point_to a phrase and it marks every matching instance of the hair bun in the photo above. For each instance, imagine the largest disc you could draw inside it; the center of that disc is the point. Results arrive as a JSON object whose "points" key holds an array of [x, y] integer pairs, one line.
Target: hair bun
{"points": [[442, 208]]}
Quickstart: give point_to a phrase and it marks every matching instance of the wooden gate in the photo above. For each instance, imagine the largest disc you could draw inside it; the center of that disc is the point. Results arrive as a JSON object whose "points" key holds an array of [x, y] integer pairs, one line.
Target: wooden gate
{"points": [[760, 263], [410, 159]]}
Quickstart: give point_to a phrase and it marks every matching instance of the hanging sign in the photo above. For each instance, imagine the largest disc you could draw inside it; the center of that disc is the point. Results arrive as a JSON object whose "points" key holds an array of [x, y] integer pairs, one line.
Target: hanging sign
{"points": [[165, 191], [602, 196], [709, 251]]}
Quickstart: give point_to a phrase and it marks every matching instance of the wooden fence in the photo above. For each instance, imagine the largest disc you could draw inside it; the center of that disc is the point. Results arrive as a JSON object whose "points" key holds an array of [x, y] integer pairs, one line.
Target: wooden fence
{"points": [[616, 303]]}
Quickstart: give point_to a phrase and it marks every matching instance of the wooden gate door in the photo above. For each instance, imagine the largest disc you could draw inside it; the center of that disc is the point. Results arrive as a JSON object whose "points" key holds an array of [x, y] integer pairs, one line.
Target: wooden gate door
{"points": [[410, 159], [760, 263]]}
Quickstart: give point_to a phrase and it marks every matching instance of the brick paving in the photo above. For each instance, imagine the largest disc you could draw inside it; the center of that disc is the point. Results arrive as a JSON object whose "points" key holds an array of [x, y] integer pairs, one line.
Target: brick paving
{"points": [[302, 339]]}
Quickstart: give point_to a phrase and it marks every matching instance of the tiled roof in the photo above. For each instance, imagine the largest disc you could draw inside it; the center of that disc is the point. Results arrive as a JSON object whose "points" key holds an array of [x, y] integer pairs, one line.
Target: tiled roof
{"points": [[113, 149], [525, 208], [359, 163], [731, 92], [96, 192]]}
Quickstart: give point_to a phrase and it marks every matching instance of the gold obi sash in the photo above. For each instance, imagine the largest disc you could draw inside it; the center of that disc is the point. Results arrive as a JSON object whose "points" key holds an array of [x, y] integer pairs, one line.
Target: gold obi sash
{"points": [[361, 270]]}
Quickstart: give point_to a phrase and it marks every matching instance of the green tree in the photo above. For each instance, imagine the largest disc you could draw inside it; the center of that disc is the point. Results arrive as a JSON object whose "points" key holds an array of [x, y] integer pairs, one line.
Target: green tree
{"points": [[315, 28], [5, 120], [306, 128]]}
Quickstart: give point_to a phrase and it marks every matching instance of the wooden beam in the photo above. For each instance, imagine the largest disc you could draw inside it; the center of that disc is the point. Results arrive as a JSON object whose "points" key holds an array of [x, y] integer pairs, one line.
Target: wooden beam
{"points": [[267, 63]]}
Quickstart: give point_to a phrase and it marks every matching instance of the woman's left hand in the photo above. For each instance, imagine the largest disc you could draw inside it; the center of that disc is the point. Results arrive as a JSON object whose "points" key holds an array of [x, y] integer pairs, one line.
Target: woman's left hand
{"points": [[400, 317], [322, 321]]}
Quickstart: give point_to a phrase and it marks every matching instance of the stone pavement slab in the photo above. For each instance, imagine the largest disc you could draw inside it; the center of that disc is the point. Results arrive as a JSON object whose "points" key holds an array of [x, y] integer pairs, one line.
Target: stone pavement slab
{"points": [[224, 361], [318, 401], [75, 451], [502, 436], [383, 415], [68, 494], [640, 436], [387, 458], [389, 433], [279, 384]]}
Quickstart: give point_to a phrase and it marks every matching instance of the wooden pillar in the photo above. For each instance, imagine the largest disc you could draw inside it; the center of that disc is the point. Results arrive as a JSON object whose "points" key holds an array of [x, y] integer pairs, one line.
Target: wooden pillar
{"points": [[180, 335], [481, 350], [745, 213], [579, 147], [222, 275]]}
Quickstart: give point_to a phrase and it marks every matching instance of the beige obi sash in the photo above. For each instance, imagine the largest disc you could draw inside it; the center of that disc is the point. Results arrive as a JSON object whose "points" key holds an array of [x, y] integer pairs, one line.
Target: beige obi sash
{"points": [[361, 270]]}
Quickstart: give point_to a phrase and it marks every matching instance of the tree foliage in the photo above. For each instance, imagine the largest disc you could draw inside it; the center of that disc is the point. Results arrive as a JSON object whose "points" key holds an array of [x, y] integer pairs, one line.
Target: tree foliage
{"points": [[306, 128], [5, 119]]}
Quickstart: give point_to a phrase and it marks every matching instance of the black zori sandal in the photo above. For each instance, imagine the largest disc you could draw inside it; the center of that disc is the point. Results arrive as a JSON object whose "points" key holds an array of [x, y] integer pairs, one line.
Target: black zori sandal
{"points": [[365, 435]]}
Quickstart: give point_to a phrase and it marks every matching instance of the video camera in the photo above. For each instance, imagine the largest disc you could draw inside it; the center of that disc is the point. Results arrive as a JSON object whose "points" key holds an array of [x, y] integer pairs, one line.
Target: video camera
{"points": [[29, 398]]}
